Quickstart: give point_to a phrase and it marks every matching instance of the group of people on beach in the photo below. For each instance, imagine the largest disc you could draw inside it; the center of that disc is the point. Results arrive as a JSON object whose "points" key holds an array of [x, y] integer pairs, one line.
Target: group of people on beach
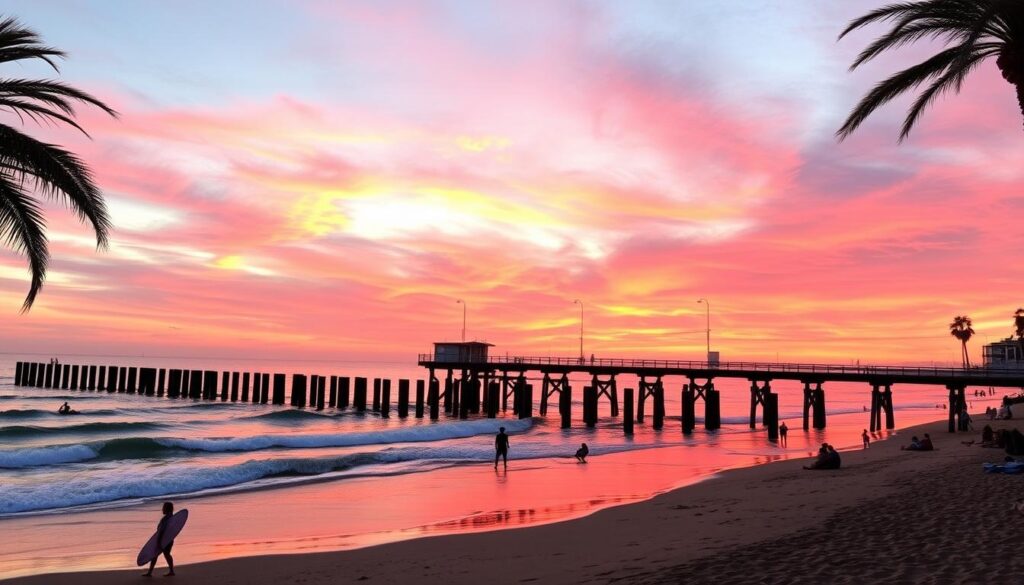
{"points": [[828, 458], [916, 444]]}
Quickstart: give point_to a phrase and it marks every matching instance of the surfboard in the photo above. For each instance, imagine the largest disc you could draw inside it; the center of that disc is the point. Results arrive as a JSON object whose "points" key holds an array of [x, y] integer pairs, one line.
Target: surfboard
{"points": [[152, 549]]}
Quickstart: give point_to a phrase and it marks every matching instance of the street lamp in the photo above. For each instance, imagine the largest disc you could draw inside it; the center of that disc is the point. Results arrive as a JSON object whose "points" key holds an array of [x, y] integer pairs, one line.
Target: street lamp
{"points": [[580, 303], [707, 305], [463, 303]]}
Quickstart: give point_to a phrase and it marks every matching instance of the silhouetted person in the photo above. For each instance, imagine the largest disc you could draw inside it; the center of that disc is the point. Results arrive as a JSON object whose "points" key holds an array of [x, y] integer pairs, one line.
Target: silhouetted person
{"points": [[501, 447], [783, 429], [915, 445], [864, 437], [582, 452], [834, 461], [160, 528], [64, 409], [926, 443]]}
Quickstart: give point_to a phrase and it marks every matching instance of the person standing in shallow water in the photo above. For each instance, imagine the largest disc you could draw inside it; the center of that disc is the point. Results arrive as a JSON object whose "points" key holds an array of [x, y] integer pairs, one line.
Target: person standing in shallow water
{"points": [[501, 447], [864, 437], [160, 528], [783, 429]]}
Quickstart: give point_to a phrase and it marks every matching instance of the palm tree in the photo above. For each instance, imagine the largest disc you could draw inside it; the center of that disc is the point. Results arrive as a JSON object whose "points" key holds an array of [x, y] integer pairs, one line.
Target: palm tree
{"points": [[1018, 326], [29, 167], [961, 329], [971, 31]]}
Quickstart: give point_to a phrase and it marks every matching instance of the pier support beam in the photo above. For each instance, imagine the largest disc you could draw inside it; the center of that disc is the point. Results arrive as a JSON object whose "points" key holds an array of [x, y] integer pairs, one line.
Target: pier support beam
{"points": [[376, 395], [627, 411], [420, 392], [589, 406], [565, 406], [814, 405], [385, 398], [403, 398], [645, 389], [608, 388], [279, 382], [758, 396], [433, 398], [359, 394], [344, 383], [881, 401], [771, 415]]}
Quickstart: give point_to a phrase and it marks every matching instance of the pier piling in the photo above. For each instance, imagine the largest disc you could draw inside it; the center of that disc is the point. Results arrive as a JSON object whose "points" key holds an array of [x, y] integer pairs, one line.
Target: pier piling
{"points": [[246, 377], [771, 415], [420, 391], [321, 384], [403, 398], [385, 398], [279, 385], [359, 394], [627, 411], [236, 379], [332, 400], [589, 406], [433, 399], [343, 391], [565, 406], [298, 398], [376, 394]]}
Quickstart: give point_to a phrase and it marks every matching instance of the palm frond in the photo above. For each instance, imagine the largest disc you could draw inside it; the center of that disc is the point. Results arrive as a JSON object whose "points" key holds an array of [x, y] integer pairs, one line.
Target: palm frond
{"points": [[22, 228], [952, 80], [18, 42], [896, 85], [58, 174]]}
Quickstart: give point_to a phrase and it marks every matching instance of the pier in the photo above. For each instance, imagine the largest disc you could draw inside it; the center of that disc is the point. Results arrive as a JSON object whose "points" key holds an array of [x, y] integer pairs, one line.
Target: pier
{"points": [[474, 384]]}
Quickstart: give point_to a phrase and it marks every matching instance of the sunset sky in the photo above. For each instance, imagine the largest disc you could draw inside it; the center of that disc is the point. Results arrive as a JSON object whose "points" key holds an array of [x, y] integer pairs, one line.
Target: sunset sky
{"points": [[325, 179]]}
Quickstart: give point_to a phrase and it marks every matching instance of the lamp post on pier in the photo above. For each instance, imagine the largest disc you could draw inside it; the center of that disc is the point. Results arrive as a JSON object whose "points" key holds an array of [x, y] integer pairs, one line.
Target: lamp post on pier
{"points": [[463, 303], [707, 305], [580, 303]]}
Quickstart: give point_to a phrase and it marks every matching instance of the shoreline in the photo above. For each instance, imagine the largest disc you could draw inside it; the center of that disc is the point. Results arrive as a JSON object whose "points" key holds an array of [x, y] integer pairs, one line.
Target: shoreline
{"points": [[638, 541]]}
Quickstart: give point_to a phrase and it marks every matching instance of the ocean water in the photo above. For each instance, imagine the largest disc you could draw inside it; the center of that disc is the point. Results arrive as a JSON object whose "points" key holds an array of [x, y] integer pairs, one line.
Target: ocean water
{"points": [[129, 450]]}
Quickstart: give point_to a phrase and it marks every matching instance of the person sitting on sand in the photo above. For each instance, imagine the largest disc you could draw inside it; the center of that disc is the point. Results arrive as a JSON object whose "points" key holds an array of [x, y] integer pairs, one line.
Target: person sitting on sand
{"points": [[926, 443], [582, 452], [834, 460], [865, 438], [168, 511], [988, 437], [915, 445], [822, 462]]}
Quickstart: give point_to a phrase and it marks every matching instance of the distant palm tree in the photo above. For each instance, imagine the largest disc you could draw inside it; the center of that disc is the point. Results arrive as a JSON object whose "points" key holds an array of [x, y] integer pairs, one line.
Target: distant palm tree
{"points": [[1018, 326], [976, 29], [961, 329], [29, 167]]}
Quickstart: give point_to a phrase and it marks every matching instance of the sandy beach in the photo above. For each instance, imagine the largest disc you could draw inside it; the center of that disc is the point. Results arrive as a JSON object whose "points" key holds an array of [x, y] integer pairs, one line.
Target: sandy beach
{"points": [[899, 517]]}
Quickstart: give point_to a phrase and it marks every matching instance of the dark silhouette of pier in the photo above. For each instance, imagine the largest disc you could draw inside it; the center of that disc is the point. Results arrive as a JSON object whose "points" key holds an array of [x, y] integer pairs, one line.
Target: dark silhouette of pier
{"points": [[474, 384], [510, 375]]}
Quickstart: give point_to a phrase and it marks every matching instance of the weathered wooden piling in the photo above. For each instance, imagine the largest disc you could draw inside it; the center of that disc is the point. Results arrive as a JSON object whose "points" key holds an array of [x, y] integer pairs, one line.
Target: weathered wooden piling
{"points": [[74, 378], [101, 379], [265, 394], [385, 398], [56, 376], [174, 380], [17, 373], [161, 378], [195, 384], [33, 369], [40, 375], [343, 391], [225, 386], [279, 386], [420, 391], [771, 415], [688, 417], [565, 406], [321, 384], [589, 406], [712, 409], [257, 387], [359, 394], [209, 385], [64, 377], [403, 398], [236, 380], [49, 375], [131, 382], [449, 387], [492, 399], [659, 406], [526, 403], [433, 399], [758, 392], [244, 394], [819, 408], [333, 399], [456, 400], [298, 390], [627, 411], [92, 377], [376, 394]]}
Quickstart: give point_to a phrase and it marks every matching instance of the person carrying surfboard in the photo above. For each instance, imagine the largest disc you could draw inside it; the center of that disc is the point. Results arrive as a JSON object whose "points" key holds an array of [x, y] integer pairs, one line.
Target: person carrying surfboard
{"points": [[161, 528]]}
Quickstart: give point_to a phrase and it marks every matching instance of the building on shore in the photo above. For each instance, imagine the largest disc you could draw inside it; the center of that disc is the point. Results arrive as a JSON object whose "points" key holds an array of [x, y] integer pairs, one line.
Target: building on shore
{"points": [[1007, 353]]}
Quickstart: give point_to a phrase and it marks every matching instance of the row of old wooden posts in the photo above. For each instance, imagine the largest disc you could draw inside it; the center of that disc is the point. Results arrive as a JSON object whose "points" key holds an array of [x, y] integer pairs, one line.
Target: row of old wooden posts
{"points": [[459, 397]]}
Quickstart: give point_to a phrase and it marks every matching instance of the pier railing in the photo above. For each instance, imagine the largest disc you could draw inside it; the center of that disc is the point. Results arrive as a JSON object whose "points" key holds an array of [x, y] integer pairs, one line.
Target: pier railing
{"points": [[767, 367]]}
